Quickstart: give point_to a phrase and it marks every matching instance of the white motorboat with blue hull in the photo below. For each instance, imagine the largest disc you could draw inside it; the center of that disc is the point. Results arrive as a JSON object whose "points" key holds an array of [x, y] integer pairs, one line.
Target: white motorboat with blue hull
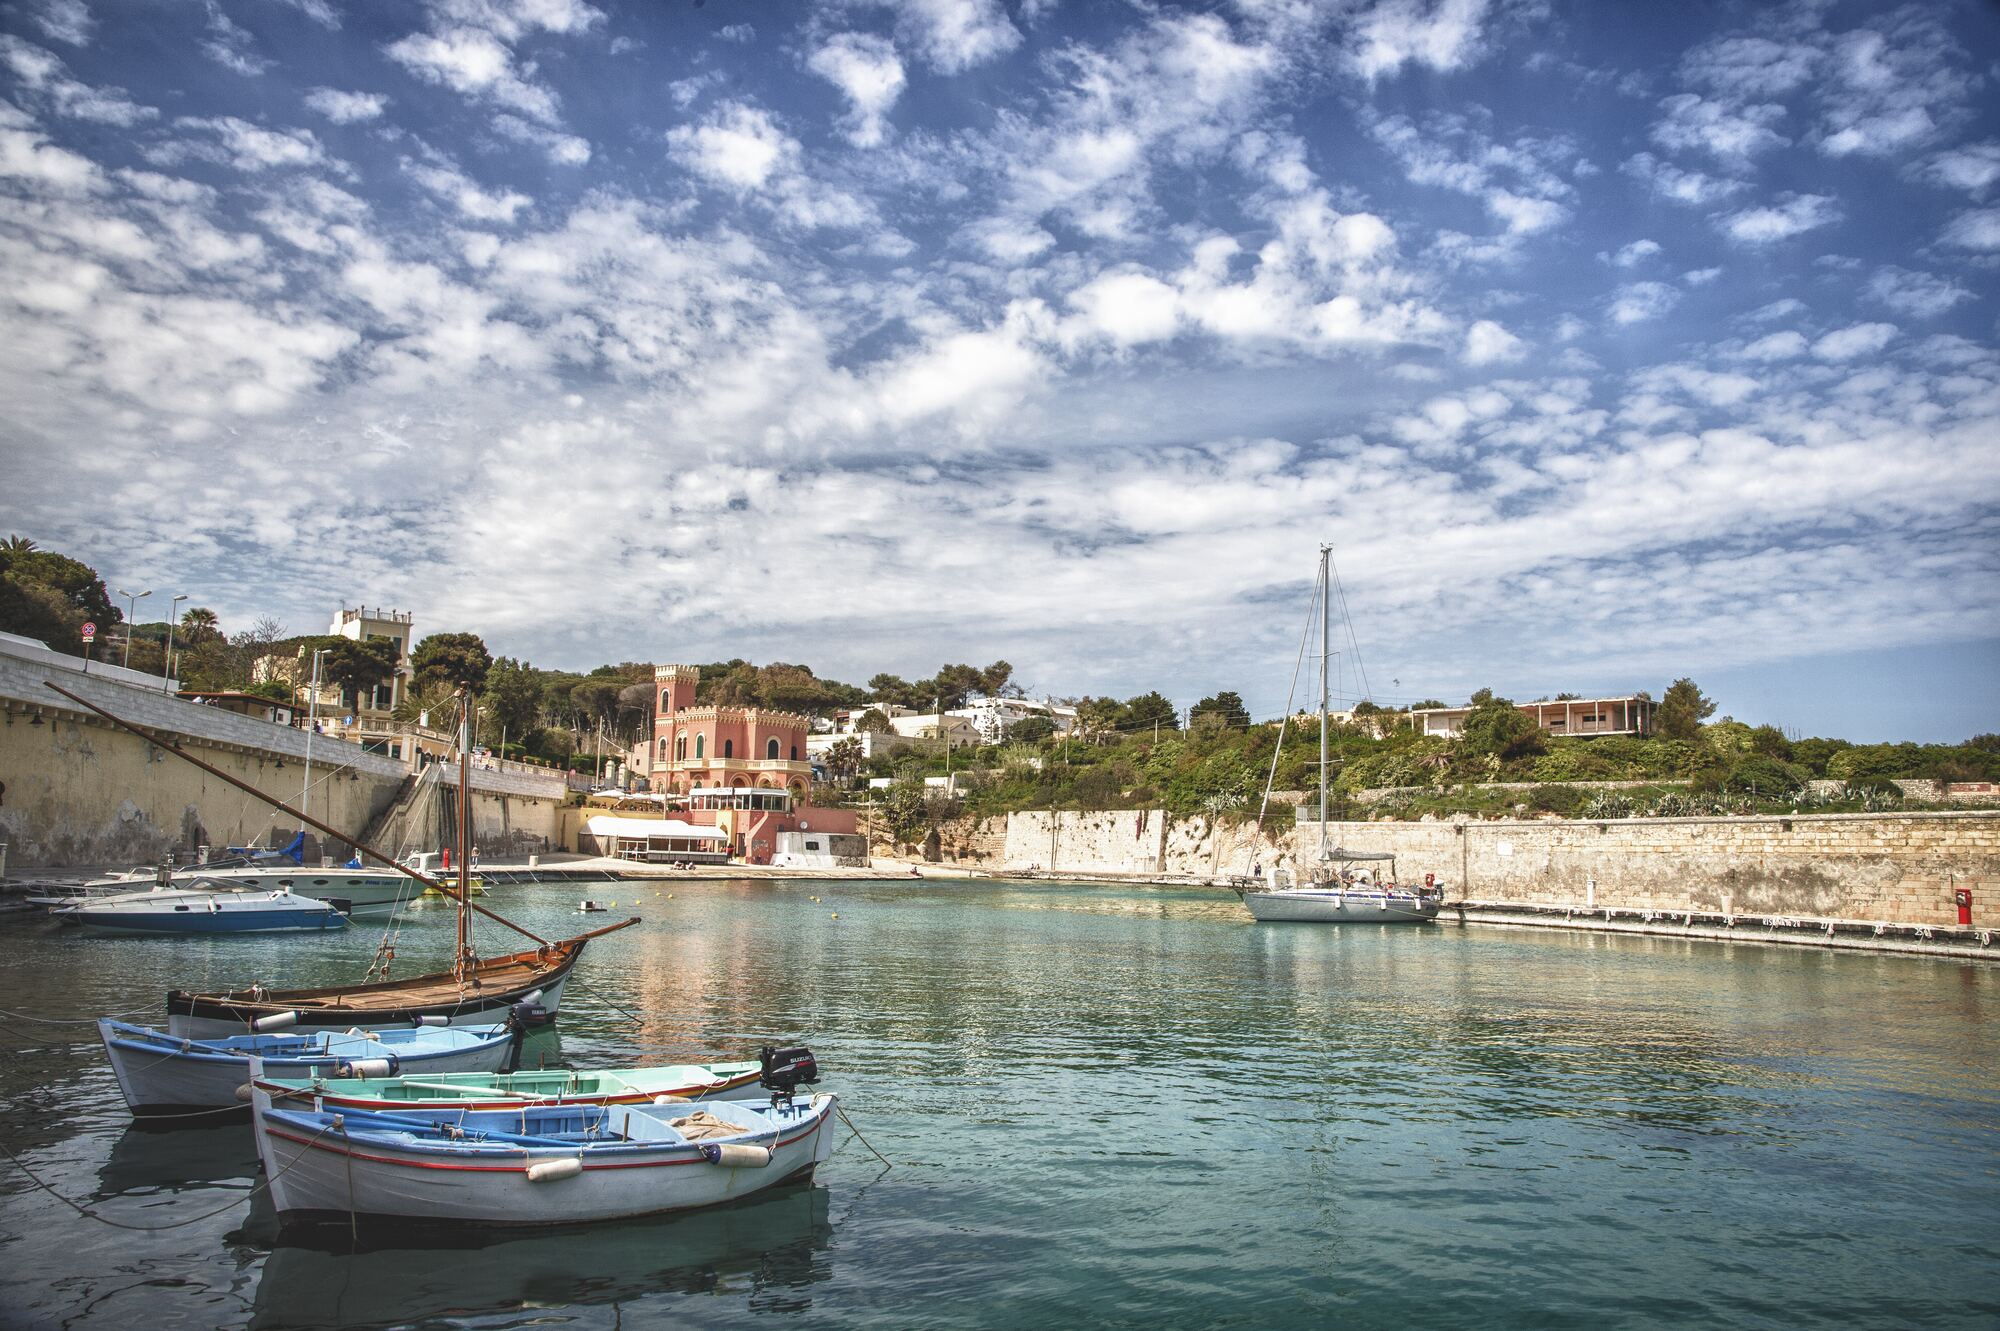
{"points": [[160, 1073], [546, 1165], [361, 891], [204, 908]]}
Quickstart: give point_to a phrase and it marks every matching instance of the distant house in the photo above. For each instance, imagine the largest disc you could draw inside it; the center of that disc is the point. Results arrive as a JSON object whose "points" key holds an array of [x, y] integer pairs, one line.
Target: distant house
{"points": [[994, 717], [1628, 715], [957, 731]]}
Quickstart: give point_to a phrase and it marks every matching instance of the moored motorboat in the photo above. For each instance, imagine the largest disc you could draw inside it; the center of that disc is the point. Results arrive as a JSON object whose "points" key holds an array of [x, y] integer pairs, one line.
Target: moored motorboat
{"points": [[159, 1073], [203, 907], [535, 1164], [510, 1090]]}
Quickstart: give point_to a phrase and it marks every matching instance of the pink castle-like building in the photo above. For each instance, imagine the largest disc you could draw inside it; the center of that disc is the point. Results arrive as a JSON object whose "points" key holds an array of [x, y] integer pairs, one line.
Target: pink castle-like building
{"points": [[741, 769]]}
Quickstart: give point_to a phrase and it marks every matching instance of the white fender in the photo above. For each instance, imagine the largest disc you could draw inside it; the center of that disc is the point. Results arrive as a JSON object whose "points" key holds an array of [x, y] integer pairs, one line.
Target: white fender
{"points": [[277, 1021], [731, 1155], [550, 1171]]}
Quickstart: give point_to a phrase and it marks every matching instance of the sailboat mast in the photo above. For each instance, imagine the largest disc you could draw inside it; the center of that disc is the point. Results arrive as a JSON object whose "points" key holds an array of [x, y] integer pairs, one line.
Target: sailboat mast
{"points": [[464, 830], [1325, 629]]}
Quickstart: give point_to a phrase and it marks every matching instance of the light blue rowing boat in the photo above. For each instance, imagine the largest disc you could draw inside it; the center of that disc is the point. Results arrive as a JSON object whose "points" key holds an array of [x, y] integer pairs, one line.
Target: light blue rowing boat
{"points": [[161, 1073]]}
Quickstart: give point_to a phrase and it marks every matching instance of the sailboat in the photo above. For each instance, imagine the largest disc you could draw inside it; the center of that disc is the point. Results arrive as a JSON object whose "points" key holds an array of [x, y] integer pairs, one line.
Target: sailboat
{"points": [[1341, 885], [476, 991]]}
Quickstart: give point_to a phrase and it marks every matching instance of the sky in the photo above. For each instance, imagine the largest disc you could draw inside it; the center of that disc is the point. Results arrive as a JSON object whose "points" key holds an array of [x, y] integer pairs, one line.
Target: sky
{"points": [[1605, 344]]}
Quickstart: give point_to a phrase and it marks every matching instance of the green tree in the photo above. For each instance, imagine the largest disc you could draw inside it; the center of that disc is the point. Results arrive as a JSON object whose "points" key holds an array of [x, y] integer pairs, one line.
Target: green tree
{"points": [[1031, 730], [892, 689], [47, 596], [1496, 728], [1682, 710], [997, 681], [513, 696], [1226, 705], [354, 667], [874, 721], [198, 625], [454, 660], [1148, 710], [843, 756]]}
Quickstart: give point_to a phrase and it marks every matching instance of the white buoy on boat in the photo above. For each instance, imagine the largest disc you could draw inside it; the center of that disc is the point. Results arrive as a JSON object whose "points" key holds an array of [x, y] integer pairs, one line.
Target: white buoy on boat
{"points": [[277, 1021], [430, 1020], [371, 1067], [549, 1171], [733, 1155]]}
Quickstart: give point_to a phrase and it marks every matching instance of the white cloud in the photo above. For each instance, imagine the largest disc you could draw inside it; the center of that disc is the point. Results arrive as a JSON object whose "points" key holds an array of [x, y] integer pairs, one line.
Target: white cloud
{"points": [[1126, 308], [957, 35], [1978, 229], [1752, 66], [1637, 302], [1855, 340], [463, 194], [736, 145], [1798, 213], [1517, 181], [867, 71], [248, 147], [1700, 277], [562, 148], [1636, 253], [1438, 34], [1677, 184], [64, 20], [1487, 343], [1732, 133], [41, 73], [1919, 295], [1971, 167], [346, 108], [1787, 345], [228, 44]]}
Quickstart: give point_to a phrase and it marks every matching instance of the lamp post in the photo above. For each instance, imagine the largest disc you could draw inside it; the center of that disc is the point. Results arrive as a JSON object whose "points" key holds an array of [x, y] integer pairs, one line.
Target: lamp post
{"points": [[167, 666], [132, 600]]}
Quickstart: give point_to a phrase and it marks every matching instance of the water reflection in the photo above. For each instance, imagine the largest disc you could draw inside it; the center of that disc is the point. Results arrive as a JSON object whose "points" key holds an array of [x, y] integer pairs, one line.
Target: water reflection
{"points": [[148, 1161], [766, 1253]]}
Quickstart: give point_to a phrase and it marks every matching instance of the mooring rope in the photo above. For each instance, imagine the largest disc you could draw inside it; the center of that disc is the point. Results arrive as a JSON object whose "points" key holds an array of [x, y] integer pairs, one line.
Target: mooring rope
{"points": [[838, 1109], [89, 1214], [69, 1021]]}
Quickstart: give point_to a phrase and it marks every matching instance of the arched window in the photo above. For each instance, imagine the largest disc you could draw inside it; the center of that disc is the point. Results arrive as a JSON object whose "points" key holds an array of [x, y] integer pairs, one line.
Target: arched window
{"points": [[795, 752], [771, 749], [663, 748], [665, 694], [681, 748], [699, 741], [729, 748]]}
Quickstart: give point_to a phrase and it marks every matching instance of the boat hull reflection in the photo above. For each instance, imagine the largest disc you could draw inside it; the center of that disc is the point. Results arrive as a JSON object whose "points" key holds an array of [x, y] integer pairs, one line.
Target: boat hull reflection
{"points": [[772, 1248]]}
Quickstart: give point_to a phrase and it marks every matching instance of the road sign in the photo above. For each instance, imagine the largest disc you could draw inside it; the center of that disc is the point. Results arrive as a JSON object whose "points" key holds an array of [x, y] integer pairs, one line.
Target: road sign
{"points": [[89, 630]]}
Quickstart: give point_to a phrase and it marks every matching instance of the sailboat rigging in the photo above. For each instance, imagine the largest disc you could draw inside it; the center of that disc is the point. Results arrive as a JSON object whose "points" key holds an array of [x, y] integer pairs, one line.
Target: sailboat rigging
{"points": [[1341, 886], [473, 992]]}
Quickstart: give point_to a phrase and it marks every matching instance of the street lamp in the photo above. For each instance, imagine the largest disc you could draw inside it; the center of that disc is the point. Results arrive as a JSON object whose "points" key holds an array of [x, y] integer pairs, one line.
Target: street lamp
{"points": [[167, 666], [132, 600]]}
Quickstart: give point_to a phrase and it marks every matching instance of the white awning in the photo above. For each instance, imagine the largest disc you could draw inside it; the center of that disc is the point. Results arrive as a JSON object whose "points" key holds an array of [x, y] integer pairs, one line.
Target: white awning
{"points": [[604, 825]]}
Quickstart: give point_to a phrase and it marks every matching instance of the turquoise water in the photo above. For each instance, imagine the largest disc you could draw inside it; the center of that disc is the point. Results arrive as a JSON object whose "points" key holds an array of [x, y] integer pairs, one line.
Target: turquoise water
{"points": [[1114, 1106]]}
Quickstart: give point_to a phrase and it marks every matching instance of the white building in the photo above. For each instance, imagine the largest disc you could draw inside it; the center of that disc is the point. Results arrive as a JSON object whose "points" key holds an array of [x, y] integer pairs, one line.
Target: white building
{"points": [[956, 730], [848, 720], [994, 717]]}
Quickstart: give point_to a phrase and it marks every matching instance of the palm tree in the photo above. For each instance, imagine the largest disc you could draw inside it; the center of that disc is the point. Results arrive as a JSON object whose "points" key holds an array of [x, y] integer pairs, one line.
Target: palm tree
{"points": [[19, 545], [199, 624]]}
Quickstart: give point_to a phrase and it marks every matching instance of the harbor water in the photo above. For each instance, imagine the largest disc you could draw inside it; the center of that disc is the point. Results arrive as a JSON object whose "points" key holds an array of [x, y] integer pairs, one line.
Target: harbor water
{"points": [[1105, 1106]]}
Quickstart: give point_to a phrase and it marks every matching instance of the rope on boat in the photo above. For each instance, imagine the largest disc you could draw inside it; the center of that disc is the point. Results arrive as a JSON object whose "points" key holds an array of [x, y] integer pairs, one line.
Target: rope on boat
{"points": [[89, 1214], [838, 1109]]}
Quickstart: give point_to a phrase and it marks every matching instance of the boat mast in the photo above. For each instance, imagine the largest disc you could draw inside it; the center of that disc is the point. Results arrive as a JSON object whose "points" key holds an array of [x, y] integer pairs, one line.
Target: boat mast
{"points": [[463, 962], [1325, 628]]}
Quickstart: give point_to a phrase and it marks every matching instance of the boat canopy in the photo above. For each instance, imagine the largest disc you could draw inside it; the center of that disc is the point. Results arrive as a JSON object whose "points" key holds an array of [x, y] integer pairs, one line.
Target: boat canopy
{"points": [[604, 825]]}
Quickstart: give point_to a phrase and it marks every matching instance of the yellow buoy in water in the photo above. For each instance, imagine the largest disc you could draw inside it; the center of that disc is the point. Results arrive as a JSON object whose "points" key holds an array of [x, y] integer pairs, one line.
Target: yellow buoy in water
{"points": [[836, 915]]}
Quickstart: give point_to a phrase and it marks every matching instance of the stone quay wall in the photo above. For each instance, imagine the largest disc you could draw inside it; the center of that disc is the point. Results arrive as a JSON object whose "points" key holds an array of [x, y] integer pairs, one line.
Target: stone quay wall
{"points": [[77, 790], [1898, 868]]}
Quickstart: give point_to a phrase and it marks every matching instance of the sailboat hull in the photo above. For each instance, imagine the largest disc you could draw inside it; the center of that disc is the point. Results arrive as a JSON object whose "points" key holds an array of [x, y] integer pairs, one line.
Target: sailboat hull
{"points": [[1313, 906], [502, 982]]}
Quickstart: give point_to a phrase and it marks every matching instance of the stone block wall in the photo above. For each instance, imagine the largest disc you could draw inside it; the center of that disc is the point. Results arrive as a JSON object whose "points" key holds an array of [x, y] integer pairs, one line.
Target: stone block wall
{"points": [[1892, 868]]}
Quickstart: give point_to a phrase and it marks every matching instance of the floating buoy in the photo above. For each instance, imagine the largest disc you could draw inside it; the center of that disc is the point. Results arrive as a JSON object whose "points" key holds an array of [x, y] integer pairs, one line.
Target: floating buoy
{"points": [[836, 915], [548, 1171], [731, 1155], [243, 1093]]}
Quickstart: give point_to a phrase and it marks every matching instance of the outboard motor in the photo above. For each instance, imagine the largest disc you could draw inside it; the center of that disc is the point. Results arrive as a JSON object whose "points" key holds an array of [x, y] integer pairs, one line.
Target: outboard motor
{"points": [[785, 1070], [521, 1017]]}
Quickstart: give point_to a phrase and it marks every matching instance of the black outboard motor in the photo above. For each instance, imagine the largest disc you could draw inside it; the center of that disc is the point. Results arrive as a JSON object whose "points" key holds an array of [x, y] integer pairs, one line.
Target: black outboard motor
{"points": [[785, 1070]]}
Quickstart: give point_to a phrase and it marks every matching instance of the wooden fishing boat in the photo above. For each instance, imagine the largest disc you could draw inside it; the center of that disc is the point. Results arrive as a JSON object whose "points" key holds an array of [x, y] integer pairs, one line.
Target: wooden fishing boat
{"points": [[160, 1073], [487, 992], [533, 1164], [474, 991], [511, 1090]]}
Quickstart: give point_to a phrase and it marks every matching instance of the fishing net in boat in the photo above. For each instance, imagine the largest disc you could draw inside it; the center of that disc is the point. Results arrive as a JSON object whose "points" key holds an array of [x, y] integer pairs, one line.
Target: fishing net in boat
{"points": [[701, 1125]]}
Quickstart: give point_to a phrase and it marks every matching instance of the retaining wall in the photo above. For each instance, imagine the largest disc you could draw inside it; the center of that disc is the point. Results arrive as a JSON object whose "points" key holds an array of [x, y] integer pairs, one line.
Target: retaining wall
{"points": [[76, 790], [1897, 868]]}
